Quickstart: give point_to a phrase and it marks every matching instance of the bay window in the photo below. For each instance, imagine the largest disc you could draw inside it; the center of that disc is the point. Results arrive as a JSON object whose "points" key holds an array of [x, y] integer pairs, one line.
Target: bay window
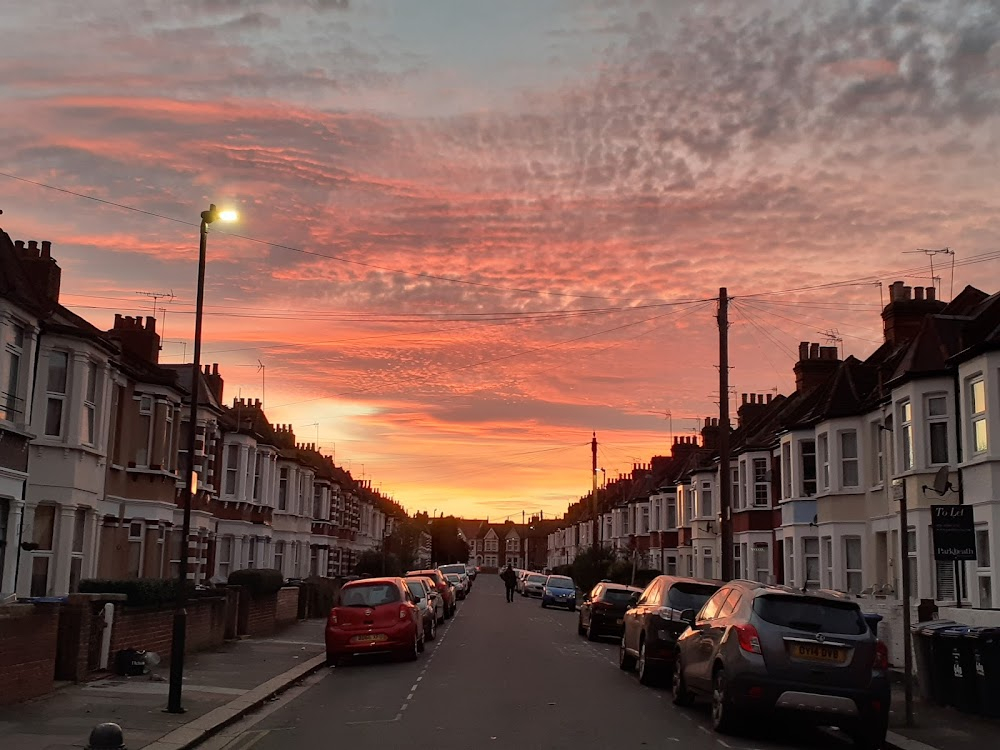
{"points": [[283, 488], [707, 506], [144, 437], [983, 571], [906, 434], [786, 471], [878, 454], [10, 399], [740, 500], [807, 455], [761, 487], [977, 415], [810, 548], [671, 512], [89, 403], [824, 460], [232, 467], [937, 429], [852, 564], [849, 475], [761, 561], [55, 403], [41, 558]]}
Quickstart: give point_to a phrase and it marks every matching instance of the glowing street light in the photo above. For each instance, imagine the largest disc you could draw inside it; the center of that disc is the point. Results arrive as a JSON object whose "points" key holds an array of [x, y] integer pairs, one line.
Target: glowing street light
{"points": [[180, 613]]}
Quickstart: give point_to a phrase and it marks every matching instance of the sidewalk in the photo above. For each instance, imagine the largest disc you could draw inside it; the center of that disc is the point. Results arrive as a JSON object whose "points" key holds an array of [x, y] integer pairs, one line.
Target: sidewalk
{"points": [[938, 727], [218, 686]]}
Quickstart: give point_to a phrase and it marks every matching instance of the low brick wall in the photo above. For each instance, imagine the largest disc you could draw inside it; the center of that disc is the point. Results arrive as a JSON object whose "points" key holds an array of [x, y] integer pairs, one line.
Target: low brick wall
{"points": [[151, 629], [28, 635], [287, 608]]}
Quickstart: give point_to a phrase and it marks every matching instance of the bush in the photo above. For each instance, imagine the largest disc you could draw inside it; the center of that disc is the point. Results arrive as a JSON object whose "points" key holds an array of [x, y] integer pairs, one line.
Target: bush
{"points": [[645, 576], [141, 592], [321, 594], [258, 581]]}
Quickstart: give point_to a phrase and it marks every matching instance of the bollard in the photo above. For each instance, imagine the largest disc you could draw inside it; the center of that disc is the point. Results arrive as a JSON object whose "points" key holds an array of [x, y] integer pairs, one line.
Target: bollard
{"points": [[107, 736]]}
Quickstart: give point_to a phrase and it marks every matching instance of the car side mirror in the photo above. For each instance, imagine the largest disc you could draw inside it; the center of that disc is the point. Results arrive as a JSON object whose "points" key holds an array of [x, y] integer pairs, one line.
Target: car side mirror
{"points": [[688, 616], [633, 600]]}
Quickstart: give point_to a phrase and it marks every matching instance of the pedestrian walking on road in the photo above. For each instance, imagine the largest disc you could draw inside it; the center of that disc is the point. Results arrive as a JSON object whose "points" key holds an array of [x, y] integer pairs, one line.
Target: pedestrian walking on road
{"points": [[509, 581]]}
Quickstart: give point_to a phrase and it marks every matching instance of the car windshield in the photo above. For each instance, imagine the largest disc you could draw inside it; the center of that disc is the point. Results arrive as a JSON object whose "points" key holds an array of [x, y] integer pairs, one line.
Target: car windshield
{"points": [[689, 595], [618, 595], [369, 595], [535, 579], [416, 588], [559, 582], [811, 615], [458, 569]]}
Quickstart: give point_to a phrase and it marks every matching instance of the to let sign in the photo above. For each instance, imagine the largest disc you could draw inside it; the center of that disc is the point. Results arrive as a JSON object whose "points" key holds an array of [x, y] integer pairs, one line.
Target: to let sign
{"points": [[954, 532]]}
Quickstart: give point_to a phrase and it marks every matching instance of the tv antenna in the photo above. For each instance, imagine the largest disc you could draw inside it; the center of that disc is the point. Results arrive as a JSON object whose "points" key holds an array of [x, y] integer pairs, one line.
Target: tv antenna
{"points": [[263, 371], [156, 297], [930, 257], [832, 336]]}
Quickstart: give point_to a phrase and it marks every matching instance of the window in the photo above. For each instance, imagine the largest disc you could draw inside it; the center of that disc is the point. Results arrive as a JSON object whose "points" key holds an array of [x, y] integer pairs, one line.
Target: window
{"points": [[977, 412], [42, 535], [761, 562], [251, 546], [740, 500], [295, 559], [671, 512], [852, 563], [258, 459], [937, 429], [688, 504], [644, 520], [76, 549], [300, 505], [983, 572], [232, 464], [317, 502], [849, 474], [878, 449], [786, 470], [4, 521], [911, 551], [283, 489], [90, 404], [761, 487], [737, 561], [810, 546], [736, 482], [790, 562], [279, 556], [9, 399], [224, 557], [732, 602], [807, 454], [824, 460], [707, 508], [144, 438], [135, 549], [906, 434], [671, 565], [712, 607], [169, 452], [56, 398], [827, 562], [709, 566]]}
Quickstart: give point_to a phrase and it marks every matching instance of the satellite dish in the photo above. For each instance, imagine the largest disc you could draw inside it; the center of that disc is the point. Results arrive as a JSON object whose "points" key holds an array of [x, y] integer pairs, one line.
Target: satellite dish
{"points": [[941, 483]]}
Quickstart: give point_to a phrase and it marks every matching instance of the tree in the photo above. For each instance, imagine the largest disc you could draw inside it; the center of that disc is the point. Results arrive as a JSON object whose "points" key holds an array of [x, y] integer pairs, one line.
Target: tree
{"points": [[404, 542], [378, 563], [592, 565], [446, 544]]}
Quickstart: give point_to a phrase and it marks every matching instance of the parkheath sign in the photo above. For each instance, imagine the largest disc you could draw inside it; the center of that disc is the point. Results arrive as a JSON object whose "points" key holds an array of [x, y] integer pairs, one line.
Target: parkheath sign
{"points": [[954, 532]]}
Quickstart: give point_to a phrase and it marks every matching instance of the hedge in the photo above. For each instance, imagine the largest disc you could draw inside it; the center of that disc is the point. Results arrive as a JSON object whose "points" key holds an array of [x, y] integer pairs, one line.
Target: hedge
{"points": [[141, 592], [258, 581]]}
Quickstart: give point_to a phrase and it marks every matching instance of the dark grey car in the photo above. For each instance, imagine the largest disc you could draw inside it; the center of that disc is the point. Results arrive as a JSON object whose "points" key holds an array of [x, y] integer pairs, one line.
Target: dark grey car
{"points": [[755, 649]]}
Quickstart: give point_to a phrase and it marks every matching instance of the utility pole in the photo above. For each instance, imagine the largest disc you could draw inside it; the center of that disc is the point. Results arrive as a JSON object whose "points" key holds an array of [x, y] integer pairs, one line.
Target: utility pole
{"points": [[593, 495], [725, 482]]}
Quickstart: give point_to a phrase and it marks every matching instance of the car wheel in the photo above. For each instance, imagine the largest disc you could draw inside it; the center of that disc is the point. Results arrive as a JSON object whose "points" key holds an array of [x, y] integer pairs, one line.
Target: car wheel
{"points": [[681, 695], [544, 605], [591, 631], [580, 630], [626, 661], [433, 630], [331, 660], [414, 651], [420, 644], [724, 718], [647, 672]]}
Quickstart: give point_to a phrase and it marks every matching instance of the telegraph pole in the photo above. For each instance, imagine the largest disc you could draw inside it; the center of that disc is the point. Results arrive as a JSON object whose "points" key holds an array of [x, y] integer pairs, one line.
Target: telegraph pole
{"points": [[597, 507], [725, 481]]}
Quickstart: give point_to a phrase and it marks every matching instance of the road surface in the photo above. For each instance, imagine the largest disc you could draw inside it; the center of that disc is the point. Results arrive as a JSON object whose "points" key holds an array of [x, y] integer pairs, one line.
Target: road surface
{"points": [[499, 675]]}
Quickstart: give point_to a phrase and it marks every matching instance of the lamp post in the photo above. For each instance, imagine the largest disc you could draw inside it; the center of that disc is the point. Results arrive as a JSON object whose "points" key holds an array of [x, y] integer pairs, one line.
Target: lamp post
{"points": [[178, 638]]}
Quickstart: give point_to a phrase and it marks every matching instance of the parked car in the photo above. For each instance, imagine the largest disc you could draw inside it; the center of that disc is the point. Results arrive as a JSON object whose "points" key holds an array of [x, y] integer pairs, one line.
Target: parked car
{"points": [[521, 575], [653, 623], [460, 585], [436, 599], [374, 615], [460, 571], [421, 590], [472, 571], [445, 589], [602, 610], [755, 649], [559, 591], [533, 584]]}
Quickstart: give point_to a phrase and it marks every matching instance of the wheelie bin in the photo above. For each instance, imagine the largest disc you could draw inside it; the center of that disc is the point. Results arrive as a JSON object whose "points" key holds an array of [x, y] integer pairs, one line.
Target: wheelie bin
{"points": [[931, 659]]}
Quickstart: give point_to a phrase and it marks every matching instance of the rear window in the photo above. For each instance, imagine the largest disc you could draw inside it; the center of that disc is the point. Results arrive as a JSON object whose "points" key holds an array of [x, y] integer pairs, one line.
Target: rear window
{"points": [[689, 596], [560, 582], [369, 595], [453, 577], [536, 579], [620, 596], [416, 588], [811, 615], [459, 569]]}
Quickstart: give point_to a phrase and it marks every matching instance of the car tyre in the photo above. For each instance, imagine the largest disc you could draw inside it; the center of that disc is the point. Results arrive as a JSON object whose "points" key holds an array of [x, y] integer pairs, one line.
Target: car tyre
{"points": [[580, 630], [591, 631], [413, 652], [724, 718], [544, 605], [647, 672], [626, 662], [432, 630], [681, 695], [420, 644]]}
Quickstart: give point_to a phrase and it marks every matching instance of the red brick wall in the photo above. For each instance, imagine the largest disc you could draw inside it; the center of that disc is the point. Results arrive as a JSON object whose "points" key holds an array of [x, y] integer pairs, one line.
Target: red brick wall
{"points": [[287, 609], [28, 634], [260, 620], [151, 629]]}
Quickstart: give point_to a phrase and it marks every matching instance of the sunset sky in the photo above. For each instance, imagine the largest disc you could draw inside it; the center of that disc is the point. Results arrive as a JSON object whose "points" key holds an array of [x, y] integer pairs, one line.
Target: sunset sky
{"points": [[474, 232]]}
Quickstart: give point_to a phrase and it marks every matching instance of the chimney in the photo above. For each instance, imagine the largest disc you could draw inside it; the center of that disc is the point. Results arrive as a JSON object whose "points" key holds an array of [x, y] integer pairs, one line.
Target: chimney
{"points": [[40, 268], [710, 434], [136, 337], [902, 317], [214, 381], [751, 410], [815, 365]]}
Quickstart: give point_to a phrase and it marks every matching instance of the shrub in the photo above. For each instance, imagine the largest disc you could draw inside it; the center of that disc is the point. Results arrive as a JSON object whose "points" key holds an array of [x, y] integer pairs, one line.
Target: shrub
{"points": [[258, 581], [321, 594], [141, 592], [645, 576]]}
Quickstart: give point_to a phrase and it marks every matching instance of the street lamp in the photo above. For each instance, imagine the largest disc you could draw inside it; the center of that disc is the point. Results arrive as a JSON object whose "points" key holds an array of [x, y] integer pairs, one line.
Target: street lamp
{"points": [[178, 637]]}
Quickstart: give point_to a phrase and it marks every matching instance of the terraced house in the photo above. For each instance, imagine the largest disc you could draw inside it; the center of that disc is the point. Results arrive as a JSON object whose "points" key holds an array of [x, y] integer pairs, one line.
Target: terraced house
{"points": [[93, 436]]}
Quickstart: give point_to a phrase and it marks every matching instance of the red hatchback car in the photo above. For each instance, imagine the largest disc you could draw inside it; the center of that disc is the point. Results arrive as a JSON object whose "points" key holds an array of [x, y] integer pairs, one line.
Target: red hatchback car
{"points": [[374, 615]]}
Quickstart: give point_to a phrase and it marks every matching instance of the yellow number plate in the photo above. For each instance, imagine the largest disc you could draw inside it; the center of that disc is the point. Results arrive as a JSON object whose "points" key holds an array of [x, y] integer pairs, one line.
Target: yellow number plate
{"points": [[369, 638], [830, 654]]}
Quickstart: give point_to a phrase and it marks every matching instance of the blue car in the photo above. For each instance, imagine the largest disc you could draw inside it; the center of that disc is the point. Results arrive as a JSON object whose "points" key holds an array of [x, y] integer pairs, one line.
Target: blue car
{"points": [[559, 591]]}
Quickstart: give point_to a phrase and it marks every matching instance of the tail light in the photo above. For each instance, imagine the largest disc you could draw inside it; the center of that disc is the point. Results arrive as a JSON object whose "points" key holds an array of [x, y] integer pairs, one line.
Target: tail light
{"points": [[404, 612], [748, 637], [333, 616], [881, 657], [599, 606]]}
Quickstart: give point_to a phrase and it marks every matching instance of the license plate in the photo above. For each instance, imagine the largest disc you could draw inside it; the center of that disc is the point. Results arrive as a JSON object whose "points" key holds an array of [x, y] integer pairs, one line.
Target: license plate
{"points": [[373, 638], [809, 652]]}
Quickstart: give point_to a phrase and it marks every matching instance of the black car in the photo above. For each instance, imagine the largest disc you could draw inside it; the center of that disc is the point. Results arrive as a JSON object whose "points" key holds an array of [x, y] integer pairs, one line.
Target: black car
{"points": [[603, 609], [653, 623]]}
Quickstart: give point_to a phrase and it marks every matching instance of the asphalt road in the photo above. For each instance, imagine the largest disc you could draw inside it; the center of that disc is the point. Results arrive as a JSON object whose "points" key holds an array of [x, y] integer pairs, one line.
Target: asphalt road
{"points": [[501, 676]]}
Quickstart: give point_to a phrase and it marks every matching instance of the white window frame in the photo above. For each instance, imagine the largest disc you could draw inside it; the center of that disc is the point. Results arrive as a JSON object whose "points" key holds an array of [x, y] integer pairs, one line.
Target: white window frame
{"points": [[258, 461], [906, 449], [811, 583], [984, 571], [978, 426], [670, 506], [786, 470], [878, 448], [147, 408], [941, 421], [137, 537], [14, 350], [740, 500], [250, 545], [91, 375], [760, 483], [224, 562], [283, 488], [231, 479], [804, 456], [826, 552], [57, 397], [738, 571], [848, 461], [761, 562], [823, 459], [707, 502], [854, 576]]}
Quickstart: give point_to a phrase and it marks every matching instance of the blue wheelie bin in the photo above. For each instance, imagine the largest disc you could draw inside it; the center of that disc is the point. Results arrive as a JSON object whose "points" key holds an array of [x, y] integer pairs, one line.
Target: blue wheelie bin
{"points": [[933, 667], [954, 667], [987, 666]]}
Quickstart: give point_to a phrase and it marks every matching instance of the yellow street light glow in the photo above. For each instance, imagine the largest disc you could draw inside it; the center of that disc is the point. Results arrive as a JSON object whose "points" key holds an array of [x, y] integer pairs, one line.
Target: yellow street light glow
{"points": [[228, 215]]}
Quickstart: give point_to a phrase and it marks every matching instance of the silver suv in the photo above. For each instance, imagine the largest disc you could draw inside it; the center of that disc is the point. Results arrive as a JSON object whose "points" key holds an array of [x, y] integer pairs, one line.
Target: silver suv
{"points": [[755, 649]]}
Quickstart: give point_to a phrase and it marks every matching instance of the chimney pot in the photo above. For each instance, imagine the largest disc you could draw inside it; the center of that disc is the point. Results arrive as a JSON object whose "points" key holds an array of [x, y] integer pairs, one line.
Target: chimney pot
{"points": [[46, 249], [150, 323], [215, 368], [896, 291], [813, 351], [33, 247], [918, 292], [769, 397], [803, 350], [19, 244], [118, 320], [906, 290], [931, 293], [744, 398]]}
